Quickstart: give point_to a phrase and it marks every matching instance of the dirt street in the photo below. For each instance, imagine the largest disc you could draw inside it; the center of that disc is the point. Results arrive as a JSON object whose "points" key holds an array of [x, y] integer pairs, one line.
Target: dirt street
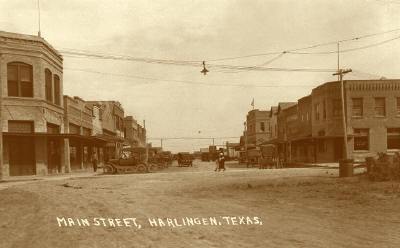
{"points": [[197, 207]]}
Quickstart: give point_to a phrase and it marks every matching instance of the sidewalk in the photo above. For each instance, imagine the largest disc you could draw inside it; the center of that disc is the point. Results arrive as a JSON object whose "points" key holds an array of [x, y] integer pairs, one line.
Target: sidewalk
{"points": [[18, 180]]}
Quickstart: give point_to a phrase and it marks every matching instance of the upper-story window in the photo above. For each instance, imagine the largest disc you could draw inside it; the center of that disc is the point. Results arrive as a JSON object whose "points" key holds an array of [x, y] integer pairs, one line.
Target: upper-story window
{"points": [[48, 85], [357, 107], [316, 107], [262, 127], [19, 79], [57, 93], [380, 106]]}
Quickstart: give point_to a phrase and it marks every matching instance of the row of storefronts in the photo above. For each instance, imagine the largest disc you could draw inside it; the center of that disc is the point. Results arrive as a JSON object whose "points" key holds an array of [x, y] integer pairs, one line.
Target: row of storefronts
{"points": [[311, 130], [43, 131]]}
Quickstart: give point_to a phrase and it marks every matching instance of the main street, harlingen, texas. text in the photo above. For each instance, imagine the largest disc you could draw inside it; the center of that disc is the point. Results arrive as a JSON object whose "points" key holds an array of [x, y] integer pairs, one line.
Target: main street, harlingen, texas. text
{"points": [[130, 222]]}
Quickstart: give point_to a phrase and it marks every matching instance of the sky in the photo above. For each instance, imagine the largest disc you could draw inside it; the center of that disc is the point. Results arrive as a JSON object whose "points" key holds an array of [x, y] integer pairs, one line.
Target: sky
{"points": [[182, 102]]}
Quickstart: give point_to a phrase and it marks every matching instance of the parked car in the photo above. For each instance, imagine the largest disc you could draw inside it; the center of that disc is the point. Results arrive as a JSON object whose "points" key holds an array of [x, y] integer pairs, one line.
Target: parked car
{"points": [[185, 159]]}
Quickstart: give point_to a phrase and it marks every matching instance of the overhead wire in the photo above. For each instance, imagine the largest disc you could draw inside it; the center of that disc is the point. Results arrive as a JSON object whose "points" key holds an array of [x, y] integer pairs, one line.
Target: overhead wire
{"points": [[186, 81], [85, 53], [350, 49]]}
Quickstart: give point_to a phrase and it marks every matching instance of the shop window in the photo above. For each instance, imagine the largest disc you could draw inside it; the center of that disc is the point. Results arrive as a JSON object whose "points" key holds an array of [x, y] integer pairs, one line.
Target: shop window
{"points": [[53, 128], [380, 106], [48, 85], [74, 129], [361, 139], [20, 126], [393, 138], [19, 79], [87, 131], [357, 108], [57, 93]]}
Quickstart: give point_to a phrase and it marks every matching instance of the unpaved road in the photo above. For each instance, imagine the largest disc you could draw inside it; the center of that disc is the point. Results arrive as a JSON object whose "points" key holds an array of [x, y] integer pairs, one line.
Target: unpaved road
{"points": [[298, 208]]}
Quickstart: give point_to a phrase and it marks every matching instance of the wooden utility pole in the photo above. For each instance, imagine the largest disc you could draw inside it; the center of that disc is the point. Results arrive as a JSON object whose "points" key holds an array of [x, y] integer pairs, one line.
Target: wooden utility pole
{"points": [[340, 73], [245, 139], [145, 141]]}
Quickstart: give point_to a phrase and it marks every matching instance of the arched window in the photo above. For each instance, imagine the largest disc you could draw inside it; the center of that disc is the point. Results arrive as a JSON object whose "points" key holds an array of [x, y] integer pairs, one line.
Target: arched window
{"points": [[57, 92], [19, 79], [48, 85]]}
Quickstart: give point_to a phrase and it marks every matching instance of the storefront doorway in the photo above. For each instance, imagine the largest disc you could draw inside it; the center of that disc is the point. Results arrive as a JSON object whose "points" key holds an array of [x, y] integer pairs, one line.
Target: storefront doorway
{"points": [[21, 151]]}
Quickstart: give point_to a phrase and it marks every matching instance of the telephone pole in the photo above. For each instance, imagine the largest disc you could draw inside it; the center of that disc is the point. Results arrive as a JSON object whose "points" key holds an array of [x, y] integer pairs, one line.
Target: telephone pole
{"points": [[245, 139], [340, 73], [145, 141]]}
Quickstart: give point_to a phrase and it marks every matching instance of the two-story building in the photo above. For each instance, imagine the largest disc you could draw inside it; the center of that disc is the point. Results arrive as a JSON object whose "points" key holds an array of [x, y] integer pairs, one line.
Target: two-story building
{"points": [[372, 112], [80, 125], [257, 132], [111, 116], [31, 81], [131, 129]]}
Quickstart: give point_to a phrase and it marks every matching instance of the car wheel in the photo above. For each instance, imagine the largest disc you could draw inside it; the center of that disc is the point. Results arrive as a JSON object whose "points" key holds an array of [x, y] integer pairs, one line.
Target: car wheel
{"points": [[141, 168], [108, 169]]}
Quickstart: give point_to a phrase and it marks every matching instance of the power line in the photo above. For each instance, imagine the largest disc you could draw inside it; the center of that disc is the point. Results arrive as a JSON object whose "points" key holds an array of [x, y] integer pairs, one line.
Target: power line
{"points": [[350, 49], [88, 54], [308, 47], [185, 81]]}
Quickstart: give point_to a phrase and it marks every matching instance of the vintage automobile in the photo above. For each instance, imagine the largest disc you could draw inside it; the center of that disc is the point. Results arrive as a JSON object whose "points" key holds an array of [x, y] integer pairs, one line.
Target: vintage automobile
{"points": [[131, 161], [185, 159]]}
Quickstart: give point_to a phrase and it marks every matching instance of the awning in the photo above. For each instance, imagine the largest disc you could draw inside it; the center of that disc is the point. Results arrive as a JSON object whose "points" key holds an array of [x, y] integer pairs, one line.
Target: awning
{"points": [[94, 139], [274, 141], [109, 138]]}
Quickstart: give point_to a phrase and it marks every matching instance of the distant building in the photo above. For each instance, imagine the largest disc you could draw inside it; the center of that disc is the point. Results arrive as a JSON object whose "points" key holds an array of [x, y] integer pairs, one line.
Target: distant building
{"points": [[258, 127], [131, 129], [258, 131], [283, 116], [232, 150], [111, 115], [142, 136]]}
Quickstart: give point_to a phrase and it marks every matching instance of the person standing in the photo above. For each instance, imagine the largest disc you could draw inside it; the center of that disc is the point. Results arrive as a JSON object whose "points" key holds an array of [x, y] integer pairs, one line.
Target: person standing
{"points": [[221, 160], [94, 161]]}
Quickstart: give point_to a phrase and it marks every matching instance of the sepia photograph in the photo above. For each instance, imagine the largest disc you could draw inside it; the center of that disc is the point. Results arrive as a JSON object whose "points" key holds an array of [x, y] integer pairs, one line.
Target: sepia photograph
{"points": [[199, 123]]}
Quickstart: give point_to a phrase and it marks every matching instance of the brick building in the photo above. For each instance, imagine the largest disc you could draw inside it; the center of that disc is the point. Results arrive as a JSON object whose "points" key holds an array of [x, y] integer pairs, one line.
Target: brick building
{"points": [[135, 134], [257, 132], [372, 110], [273, 127], [301, 142], [31, 80], [82, 144], [258, 127], [111, 116]]}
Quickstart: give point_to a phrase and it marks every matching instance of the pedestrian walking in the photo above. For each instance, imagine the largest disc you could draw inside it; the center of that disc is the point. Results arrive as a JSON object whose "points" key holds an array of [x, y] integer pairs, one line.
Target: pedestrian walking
{"points": [[221, 160], [94, 161]]}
